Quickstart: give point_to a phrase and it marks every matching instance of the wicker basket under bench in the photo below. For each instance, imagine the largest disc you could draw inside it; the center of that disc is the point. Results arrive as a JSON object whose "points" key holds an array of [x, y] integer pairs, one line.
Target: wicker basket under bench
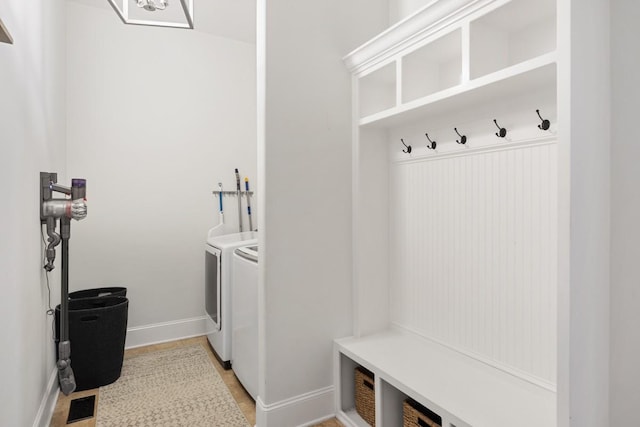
{"points": [[408, 366], [365, 395], [416, 415]]}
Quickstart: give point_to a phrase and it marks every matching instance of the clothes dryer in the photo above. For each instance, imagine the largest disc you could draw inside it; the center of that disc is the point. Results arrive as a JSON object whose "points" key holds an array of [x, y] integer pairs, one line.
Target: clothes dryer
{"points": [[218, 282], [244, 361]]}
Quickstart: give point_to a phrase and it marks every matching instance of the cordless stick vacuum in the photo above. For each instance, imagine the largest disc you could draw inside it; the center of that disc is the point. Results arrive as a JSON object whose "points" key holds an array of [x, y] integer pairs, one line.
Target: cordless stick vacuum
{"points": [[50, 211]]}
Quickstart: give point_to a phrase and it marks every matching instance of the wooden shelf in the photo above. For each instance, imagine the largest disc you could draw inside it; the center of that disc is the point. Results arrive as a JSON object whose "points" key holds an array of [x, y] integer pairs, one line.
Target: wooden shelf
{"points": [[524, 77], [464, 391]]}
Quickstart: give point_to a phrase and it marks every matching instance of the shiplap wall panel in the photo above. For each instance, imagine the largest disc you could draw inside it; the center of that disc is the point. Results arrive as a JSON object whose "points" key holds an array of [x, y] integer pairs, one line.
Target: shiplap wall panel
{"points": [[473, 254]]}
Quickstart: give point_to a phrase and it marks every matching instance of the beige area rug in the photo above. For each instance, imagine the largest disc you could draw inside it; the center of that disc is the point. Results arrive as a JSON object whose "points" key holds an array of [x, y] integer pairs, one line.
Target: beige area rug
{"points": [[176, 387]]}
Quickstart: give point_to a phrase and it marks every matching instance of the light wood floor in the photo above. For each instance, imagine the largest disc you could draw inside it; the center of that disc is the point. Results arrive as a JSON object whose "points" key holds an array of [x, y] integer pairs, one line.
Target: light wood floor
{"points": [[245, 402]]}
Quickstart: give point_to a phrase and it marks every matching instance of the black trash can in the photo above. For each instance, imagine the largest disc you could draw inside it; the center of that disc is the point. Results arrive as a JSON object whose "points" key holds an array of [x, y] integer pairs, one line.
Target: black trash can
{"points": [[114, 291], [97, 331]]}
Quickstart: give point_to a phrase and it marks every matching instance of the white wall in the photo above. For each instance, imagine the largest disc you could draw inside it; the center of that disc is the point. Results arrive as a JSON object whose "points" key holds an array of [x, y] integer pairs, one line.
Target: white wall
{"points": [[400, 9], [32, 139], [589, 133], [625, 211], [156, 118], [479, 274], [305, 165]]}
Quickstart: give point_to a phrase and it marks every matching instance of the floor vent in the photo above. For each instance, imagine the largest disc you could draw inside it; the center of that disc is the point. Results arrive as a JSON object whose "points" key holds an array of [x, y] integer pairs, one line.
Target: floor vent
{"points": [[81, 408]]}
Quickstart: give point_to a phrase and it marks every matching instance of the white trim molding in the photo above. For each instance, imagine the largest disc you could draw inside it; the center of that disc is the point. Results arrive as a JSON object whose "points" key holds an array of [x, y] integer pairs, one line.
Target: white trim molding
{"points": [[49, 399], [139, 336], [299, 411], [433, 17]]}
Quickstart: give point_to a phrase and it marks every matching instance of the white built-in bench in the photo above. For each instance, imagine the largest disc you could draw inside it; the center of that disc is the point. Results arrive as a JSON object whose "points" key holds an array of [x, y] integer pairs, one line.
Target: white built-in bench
{"points": [[460, 389]]}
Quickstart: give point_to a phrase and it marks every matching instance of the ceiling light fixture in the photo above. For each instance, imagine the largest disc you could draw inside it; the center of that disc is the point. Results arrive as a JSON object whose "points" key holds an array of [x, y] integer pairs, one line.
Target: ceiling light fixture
{"points": [[5, 36], [151, 6], [157, 13]]}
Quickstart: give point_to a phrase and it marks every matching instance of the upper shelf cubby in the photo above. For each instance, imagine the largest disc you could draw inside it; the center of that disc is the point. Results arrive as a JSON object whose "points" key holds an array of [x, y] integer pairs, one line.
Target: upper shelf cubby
{"points": [[377, 90], [513, 33], [433, 67], [447, 53]]}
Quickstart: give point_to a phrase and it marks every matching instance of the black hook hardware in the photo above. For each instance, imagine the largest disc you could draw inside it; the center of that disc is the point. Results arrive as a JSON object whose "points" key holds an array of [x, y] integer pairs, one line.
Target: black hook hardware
{"points": [[545, 123], [463, 138], [432, 144], [503, 132], [408, 150]]}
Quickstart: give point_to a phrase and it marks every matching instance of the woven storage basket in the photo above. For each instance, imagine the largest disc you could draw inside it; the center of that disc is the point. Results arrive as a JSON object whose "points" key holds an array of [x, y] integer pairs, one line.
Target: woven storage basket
{"points": [[365, 395], [416, 415]]}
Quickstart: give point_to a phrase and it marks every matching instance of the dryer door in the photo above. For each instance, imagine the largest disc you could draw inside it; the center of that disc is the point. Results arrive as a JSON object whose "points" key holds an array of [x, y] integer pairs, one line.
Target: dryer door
{"points": [[212, 284]]}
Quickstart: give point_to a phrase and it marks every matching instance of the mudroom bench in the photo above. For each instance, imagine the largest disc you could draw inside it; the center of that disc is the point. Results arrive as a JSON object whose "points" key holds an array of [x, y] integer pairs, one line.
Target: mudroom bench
{"points": [[463, 391]]}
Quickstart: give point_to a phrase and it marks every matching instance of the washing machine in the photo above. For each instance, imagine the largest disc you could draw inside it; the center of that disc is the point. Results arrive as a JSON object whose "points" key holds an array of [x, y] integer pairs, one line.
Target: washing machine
{"points": [[218, 282], [245, 317]]}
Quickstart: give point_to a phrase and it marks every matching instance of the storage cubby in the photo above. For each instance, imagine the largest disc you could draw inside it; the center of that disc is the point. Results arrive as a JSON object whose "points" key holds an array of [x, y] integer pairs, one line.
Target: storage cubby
{"points": [[397, 381], [391, 400], [513, 33], [417, 415], [455, 280], [347, 390], [377, 90], [433, 67]]}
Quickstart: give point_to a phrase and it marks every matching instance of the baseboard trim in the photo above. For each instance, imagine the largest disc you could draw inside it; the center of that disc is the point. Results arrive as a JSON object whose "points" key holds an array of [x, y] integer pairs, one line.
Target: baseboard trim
{"points": [[156, 333], [49, 400], [299, 411]]}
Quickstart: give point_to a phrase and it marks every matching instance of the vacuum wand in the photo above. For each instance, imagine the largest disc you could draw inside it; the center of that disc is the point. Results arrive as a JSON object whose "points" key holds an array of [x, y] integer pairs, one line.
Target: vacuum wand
{"points": [[65, 374], [64, 210]]}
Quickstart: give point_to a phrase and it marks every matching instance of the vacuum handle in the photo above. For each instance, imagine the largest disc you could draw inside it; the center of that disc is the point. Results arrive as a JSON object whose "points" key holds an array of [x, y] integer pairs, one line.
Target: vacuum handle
{"points": [[78, 188], [78, 199]]}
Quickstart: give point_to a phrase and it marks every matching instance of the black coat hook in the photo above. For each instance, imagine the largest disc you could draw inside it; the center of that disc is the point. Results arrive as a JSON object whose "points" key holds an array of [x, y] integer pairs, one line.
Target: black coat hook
{"points": [[432, 144], [408, 150], [463, 138], [503, 132], [545, 123]]}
